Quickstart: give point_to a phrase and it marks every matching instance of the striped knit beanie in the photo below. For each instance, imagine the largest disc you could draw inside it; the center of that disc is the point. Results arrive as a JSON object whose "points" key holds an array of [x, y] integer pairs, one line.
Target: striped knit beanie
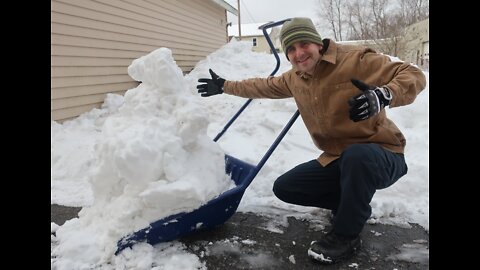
{"points": [[298, 29]]}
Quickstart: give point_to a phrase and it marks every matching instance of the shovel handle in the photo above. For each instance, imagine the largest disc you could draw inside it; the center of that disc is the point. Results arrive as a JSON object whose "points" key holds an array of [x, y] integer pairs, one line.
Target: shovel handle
{"points": [[264, 28], [274, 145]]}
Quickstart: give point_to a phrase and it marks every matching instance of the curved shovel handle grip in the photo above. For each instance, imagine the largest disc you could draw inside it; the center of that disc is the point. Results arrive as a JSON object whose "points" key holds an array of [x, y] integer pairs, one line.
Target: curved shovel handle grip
{"points": [[272, 47]]}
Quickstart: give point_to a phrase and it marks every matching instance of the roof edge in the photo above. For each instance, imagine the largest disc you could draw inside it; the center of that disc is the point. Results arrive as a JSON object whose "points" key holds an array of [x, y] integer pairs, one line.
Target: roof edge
{"points": [[226, 6]]}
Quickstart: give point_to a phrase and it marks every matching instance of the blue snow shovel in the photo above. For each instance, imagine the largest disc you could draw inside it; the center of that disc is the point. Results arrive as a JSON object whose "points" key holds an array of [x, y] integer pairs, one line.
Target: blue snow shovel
{"points": [[221, 208]]}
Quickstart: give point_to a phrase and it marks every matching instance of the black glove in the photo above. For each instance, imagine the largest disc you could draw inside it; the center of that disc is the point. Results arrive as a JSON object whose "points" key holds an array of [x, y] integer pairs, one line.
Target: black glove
{"points": [[210, 87], [370, 102]]}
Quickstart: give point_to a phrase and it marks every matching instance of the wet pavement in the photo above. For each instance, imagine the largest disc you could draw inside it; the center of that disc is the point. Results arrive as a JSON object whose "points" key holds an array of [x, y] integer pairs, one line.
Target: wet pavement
{"points": [[251, 241]]}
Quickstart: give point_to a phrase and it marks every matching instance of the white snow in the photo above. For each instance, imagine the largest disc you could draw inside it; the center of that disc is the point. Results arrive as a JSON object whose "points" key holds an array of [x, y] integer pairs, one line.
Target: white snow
{"points": [[150, 154]]}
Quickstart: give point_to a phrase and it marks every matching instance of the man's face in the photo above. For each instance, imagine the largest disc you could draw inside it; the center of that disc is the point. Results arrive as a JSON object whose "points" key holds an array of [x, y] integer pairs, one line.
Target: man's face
{"points": [[304, 55]]}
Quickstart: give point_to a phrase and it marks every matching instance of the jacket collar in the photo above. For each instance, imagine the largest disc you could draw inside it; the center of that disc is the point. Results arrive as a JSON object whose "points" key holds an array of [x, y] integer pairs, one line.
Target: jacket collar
{"points": [[330, 54]]}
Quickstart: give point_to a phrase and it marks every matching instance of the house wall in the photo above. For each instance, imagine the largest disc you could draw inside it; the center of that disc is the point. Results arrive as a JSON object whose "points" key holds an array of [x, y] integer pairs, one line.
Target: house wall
{"points": [[413, 46], [417, 44], [94, 41], [262, 44]]}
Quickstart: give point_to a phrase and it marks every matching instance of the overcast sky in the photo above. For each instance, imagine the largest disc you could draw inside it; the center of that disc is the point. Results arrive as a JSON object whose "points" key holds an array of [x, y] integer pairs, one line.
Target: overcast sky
{"points": [[254, 11]]}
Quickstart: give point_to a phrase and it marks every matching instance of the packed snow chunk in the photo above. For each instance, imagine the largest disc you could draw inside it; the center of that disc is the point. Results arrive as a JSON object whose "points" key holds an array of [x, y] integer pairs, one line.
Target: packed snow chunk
{"points": [[153, 159]]}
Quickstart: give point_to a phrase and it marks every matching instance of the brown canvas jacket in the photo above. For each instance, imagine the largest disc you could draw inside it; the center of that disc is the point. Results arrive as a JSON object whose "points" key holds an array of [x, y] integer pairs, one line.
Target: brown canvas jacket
{"points": [[322, 99]]}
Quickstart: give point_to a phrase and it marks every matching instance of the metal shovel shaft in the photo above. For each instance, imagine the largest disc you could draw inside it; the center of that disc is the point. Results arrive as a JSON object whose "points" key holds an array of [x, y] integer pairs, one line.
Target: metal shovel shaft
{"points": [[264, 28], [292, 120]]}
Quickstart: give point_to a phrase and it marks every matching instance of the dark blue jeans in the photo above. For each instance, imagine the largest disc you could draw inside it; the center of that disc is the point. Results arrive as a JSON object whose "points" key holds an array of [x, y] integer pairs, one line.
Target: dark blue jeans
{"points": [[346, 186]]}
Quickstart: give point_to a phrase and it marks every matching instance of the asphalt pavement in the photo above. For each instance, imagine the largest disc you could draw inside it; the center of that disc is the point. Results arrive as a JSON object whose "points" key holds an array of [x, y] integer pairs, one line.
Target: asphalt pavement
{"points": [[248, 241]]}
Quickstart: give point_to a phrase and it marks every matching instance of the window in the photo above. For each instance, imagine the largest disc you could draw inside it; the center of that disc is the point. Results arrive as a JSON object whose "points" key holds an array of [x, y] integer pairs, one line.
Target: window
{"points": [[254, 42]]}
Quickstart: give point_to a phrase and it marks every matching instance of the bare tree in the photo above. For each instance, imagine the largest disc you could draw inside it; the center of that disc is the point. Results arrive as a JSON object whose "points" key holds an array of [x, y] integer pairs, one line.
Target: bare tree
{"points": [[331, 11], [381, 22], [359, 20], [412, 11], [387, 31], [379, 17], [405, 13]]}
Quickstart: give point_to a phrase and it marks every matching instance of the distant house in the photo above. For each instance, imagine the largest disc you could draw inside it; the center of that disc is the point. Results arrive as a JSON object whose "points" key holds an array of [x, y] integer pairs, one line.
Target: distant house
{"points": [[251, 32], [94, 42], [417, 44], [412, 47]]}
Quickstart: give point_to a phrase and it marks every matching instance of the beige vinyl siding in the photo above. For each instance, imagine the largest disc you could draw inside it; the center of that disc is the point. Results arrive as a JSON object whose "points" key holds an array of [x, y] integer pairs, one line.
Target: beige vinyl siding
{"points": [[94, 41]]}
